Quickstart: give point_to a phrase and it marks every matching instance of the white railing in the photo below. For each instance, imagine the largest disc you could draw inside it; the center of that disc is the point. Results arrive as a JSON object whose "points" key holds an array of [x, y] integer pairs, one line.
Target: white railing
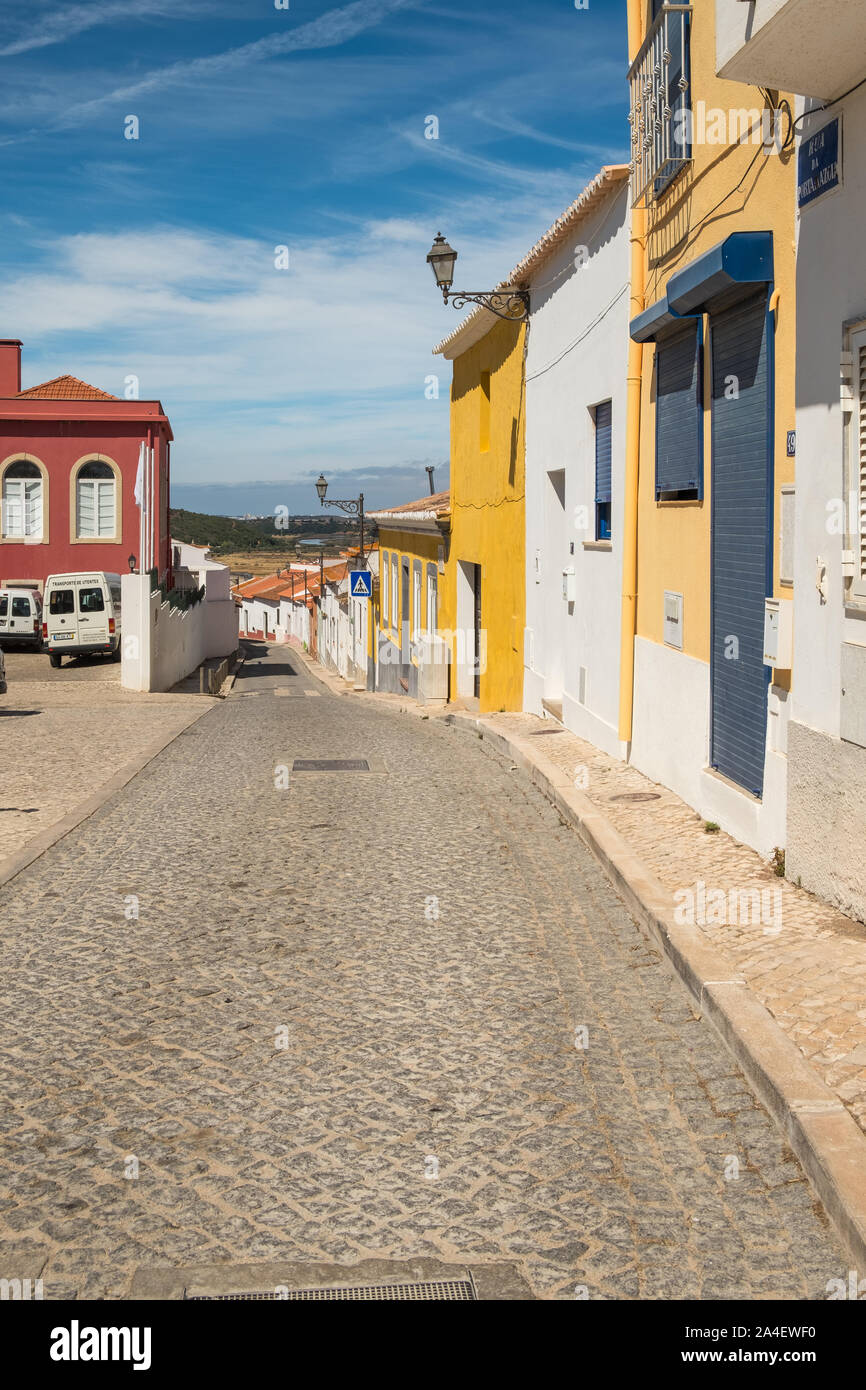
{"points": [[659, 79]]}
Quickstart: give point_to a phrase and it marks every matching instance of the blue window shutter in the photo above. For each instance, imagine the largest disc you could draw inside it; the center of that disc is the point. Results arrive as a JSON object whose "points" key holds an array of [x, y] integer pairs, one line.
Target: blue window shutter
{"points": [[679, 418], [742, 521], [602, 451]]}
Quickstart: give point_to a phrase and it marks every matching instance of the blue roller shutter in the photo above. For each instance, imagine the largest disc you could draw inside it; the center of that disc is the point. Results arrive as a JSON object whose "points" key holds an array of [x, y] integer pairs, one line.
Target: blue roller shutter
{"points": [[679, 414], [741, 526], [603, 418]]}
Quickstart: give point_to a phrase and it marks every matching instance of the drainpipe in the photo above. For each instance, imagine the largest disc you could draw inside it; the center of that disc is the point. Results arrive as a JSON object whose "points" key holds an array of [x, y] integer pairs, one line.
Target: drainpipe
{"points": [[632, 438]]}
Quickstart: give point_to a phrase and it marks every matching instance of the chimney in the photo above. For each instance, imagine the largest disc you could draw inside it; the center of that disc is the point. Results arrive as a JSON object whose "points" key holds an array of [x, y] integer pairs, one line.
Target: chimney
{"points": [[10, 366]]}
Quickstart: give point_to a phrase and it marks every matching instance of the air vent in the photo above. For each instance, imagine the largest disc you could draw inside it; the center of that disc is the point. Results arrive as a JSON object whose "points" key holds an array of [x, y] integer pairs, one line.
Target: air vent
{"points": [[674, 620]]}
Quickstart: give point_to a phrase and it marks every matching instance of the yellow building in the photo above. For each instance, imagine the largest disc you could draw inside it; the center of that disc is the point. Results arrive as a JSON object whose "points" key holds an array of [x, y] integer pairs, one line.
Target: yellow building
{"points": [[413, 600], [485, 572], [711, 402]]}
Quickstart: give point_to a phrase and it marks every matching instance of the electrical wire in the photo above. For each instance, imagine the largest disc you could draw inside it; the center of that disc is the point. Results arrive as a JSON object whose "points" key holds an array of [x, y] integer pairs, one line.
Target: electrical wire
{"points": [[597, 320], [825, 106]]}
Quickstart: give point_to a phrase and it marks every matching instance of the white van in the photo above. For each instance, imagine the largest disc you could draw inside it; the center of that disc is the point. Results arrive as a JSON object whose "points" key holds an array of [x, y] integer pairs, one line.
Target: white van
{"points": [[21, 616], [81, 614]]}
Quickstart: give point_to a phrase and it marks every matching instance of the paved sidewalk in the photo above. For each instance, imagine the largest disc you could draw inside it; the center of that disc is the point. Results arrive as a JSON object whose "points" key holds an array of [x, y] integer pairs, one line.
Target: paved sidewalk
{"points": [[810, 974], [65, 737]]}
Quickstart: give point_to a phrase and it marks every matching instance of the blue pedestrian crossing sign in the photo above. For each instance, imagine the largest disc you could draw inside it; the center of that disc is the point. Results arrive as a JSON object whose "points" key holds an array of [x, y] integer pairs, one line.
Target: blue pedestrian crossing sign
{"points": [[360, 584]]}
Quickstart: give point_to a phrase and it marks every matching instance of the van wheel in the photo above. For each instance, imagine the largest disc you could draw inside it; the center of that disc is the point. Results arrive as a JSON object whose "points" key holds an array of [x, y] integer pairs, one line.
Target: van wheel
{"points": [[55, 658], [116, 654]]}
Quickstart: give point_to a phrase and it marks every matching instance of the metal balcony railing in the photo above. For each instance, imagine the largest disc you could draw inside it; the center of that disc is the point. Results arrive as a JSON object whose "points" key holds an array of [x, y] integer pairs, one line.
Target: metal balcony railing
{"points": [[660, 104]]}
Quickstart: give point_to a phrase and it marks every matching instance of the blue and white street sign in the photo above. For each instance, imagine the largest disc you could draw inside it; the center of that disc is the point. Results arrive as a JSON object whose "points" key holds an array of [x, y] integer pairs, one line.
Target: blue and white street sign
{"points": [[360, 584], [819, 163]]}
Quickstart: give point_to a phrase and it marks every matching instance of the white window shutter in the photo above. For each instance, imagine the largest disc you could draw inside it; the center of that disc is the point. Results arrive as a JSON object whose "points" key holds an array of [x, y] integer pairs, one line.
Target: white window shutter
{"points": [[33, 506], [86, 519], [106, 507], [13, 507]]}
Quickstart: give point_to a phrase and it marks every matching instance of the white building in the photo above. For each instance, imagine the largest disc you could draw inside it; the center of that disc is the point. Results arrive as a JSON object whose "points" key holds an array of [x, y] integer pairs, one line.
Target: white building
{"points": [[259, 613], [193, 557], [819, 52], [578, 277], [343, 632]]}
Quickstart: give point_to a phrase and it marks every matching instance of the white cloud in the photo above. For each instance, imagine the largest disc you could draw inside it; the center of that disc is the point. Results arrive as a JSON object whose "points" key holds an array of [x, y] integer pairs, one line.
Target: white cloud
{"points": [[330, 30], [327, 360], [59, 24]]}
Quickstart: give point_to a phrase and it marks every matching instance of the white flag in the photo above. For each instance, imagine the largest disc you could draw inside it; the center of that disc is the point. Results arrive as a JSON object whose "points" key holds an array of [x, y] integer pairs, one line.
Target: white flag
{"points": [[139, 478]]}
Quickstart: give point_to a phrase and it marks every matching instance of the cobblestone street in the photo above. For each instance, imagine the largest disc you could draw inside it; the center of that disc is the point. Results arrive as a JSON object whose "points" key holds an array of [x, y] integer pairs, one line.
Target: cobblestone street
{"points": [[389, 1013], [65, 733]]}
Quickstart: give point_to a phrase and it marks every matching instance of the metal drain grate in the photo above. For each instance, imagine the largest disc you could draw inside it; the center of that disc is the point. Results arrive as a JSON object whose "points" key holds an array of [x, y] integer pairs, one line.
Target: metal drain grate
{"points": [[330, 765], [427, 1291]]}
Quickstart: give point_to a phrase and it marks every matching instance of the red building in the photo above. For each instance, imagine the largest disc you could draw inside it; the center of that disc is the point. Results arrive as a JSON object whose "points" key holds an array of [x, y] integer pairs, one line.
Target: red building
{"points": [[69, 456]]}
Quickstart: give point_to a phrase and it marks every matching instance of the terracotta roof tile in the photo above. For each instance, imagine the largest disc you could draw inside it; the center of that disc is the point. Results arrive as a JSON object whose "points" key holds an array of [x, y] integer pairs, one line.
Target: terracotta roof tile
{"points": [[429, 506], [65, 388]]}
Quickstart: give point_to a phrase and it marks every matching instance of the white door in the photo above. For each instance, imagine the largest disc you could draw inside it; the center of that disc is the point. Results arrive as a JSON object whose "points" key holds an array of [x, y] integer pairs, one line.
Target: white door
{"points": [[62, 617], [18, 615], [23, 615], [556, 609], [92, 615]]}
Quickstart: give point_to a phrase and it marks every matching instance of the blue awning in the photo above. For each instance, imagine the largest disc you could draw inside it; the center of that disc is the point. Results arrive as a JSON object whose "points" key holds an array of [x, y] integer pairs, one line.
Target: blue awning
{"points": [[654, 320], [743, 258]]}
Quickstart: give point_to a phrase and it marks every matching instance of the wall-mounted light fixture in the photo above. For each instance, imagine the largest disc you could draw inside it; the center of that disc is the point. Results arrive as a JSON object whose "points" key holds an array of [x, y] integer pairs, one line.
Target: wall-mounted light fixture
{"points": [[507, 302]]}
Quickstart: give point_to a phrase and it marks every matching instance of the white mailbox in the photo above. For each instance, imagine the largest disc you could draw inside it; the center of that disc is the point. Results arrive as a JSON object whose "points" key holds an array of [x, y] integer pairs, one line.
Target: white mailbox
{"points": [[569, 584], [779, 633]]}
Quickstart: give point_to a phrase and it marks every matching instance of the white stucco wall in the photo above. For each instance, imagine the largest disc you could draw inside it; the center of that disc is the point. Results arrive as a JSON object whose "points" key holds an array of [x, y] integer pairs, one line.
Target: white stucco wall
{"points": [[738, 23], [161, 645], [294, 622], [814, 47], [254, 611], [576, 357], [831, 292], [827, 775], [671, 740]]}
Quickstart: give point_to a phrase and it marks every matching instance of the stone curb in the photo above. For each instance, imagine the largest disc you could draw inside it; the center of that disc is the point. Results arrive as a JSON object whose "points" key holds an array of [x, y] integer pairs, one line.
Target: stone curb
{"points": [[35, 848], [825, 1138]]}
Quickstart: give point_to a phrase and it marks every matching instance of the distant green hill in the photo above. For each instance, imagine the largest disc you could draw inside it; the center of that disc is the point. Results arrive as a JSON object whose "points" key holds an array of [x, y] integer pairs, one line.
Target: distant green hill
{"points": [[226, 535], [222, 533]]}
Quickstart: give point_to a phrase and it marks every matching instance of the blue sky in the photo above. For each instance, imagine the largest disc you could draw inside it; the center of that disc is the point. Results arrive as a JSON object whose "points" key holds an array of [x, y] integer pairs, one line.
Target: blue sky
{"points": [[302, 127]]}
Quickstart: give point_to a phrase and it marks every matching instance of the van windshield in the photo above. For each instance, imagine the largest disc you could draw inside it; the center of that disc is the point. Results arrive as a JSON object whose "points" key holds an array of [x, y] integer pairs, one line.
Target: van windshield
{"points": [[90, 601], [61, 601]]}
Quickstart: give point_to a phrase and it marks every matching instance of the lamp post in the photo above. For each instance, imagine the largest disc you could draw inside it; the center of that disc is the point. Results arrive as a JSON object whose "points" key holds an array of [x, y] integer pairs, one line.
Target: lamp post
{"points": [[507, 302], [353, 506]]}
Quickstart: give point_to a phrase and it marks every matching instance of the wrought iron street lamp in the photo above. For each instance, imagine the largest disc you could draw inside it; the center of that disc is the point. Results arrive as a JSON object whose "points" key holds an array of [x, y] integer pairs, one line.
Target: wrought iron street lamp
{"points": [[354, 506], [507, 302]]}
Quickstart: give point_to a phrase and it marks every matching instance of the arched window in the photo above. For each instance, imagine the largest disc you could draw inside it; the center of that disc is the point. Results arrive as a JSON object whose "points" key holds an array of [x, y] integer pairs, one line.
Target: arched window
{"points": [[95, 501], [22, 501]]}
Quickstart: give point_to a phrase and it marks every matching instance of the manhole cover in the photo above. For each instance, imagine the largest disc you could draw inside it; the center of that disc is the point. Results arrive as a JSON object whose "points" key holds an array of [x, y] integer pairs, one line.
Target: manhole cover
{"points": [[330, 765], [431, 1290], [636, 796]]}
